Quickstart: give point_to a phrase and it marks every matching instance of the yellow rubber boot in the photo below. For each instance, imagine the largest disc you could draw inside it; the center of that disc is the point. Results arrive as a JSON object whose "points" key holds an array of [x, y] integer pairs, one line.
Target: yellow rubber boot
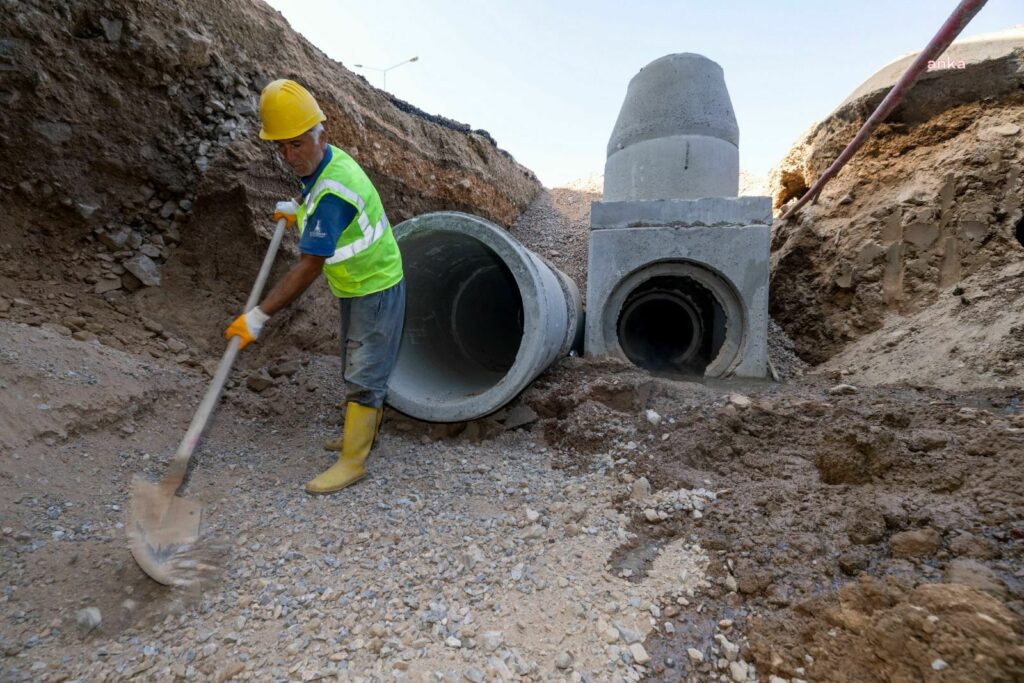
{"points": [[360, 429], [338, 442]]}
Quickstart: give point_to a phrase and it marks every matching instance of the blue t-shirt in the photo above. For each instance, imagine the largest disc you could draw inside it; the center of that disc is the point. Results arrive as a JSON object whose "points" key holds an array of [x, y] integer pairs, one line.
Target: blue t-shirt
{"points": [[325, 225]]}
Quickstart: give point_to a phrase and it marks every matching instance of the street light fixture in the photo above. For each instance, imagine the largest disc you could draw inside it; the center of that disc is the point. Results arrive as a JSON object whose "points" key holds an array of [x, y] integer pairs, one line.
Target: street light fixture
{"points": [[385, 71]]}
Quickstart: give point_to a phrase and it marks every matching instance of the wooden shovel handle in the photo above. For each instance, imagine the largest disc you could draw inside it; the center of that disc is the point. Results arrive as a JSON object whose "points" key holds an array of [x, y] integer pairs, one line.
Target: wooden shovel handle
{"points": [[179, 465]]}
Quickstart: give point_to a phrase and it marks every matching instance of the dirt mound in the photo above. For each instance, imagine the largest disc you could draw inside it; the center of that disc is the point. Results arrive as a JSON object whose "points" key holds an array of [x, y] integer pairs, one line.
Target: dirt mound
{"points": [[931, 204], [812, 486], [137, 187], [949, 631], [55, 387]]}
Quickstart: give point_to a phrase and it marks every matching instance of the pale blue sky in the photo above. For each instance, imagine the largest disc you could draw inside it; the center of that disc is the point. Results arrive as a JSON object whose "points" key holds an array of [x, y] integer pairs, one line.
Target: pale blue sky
{"points": [[547, 78]]}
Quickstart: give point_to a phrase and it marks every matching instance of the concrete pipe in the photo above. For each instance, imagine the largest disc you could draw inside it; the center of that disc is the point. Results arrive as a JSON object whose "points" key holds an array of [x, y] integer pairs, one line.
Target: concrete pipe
{"points": [[484, 317], [676, 319]]}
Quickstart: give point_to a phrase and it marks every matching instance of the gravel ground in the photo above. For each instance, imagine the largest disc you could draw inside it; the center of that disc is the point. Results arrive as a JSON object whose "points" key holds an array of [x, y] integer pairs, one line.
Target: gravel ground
{"points": [[452, 561]]}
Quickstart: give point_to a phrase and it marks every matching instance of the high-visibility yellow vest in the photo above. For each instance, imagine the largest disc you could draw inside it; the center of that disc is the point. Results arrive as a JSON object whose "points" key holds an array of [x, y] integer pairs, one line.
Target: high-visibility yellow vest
{"points": [[366, 258]]}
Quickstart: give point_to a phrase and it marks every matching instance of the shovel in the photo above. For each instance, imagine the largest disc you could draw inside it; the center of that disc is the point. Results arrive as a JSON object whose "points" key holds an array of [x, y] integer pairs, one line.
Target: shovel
{"points": [[163, 527]]}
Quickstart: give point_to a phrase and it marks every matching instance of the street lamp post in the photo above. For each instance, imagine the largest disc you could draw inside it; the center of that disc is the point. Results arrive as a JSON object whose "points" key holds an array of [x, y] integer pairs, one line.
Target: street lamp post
{"points": [[385, 71]]}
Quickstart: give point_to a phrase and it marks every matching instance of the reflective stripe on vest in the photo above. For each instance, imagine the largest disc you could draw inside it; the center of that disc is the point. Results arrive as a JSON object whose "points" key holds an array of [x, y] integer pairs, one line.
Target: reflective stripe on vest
{"points": [[371, 233]]}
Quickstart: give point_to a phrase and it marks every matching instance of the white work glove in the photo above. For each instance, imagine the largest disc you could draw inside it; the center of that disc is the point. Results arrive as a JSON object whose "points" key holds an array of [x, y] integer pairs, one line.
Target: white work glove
{"points": [[247, 326], [286, 210]]}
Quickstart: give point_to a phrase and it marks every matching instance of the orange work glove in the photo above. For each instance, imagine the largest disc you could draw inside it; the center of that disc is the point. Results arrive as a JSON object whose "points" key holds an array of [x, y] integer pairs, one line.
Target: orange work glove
{"points": [[286, 210], [247, 326]]}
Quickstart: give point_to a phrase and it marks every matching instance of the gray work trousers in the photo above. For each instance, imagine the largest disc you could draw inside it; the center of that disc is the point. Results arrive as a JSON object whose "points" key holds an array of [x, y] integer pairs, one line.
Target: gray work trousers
{"points": [[371, 329]]}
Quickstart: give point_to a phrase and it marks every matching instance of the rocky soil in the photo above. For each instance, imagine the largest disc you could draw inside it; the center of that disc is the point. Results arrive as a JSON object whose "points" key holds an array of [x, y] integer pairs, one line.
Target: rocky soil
{"points": [[926, 214], [135, 185]]}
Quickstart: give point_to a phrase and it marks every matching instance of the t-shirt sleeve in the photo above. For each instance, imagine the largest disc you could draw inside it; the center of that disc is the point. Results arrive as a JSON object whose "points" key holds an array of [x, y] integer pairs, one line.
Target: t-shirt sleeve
{"points": [[325, 225]]}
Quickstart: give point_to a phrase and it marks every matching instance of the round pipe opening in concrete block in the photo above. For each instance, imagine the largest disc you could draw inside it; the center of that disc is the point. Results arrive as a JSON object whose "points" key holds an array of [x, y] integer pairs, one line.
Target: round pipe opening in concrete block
{"points": [[671, 325], [676, 319], [484, 316]]}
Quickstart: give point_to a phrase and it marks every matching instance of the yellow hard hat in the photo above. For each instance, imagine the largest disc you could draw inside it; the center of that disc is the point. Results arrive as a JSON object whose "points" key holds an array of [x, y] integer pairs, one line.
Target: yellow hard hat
{"points": [[287, 110]]}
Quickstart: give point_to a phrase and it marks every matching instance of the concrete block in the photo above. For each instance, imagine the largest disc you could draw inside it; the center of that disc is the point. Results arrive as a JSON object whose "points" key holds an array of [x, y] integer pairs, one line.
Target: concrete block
{"points": [[686, 298]]}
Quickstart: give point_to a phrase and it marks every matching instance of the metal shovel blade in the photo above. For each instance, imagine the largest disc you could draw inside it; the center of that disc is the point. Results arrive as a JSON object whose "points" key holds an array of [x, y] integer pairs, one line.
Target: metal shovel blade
{"points": [[162, 532]]}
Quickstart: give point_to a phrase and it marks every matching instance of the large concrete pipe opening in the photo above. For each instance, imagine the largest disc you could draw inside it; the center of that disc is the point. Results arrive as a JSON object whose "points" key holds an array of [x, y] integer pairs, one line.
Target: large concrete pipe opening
{"points": [[484, 317], [676, 319], [671, 325]]}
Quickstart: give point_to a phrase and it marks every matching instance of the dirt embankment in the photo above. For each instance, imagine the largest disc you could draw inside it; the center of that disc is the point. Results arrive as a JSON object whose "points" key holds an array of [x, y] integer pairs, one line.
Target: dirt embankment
{"points": [[137, 192], [928, 213]]}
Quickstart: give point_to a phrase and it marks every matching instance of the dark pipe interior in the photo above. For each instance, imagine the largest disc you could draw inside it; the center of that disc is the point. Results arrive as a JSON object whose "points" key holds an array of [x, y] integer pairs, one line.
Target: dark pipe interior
{"points": [[671, 325], [464, 315]]}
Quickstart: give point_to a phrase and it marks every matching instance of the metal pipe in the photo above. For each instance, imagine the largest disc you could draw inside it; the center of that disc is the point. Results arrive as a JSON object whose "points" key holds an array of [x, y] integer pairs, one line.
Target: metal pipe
{"points": [[484, 317], [960, 17]]}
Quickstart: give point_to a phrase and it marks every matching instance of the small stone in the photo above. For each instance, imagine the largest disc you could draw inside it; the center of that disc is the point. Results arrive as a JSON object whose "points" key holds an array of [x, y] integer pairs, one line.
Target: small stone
{"points": [[651, 515], [168, 208], [105, 285], [843, 390], [285, 369], [113, 240], [640, 489], [88, 618], [86, 210], [452, 641], [738, 671], [176, 346], [926, 440], [915, 543], [130, 282], [628, 635], [653, 417], [143, 267], [939, 665], [640, 655], [563, 660], [535, 531], [492, 640], [9, 648], [111, 29], [151, 250], [519, 416], [532, 515], [193, 49], [259, 381], [577, 511], [695, 655], [474, 674], [729, 649], [740, 401], [611, 635]]}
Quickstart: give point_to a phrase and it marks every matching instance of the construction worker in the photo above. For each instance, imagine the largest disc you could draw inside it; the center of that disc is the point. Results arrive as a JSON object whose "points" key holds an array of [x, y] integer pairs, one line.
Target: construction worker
{"points": [[344, 233]]}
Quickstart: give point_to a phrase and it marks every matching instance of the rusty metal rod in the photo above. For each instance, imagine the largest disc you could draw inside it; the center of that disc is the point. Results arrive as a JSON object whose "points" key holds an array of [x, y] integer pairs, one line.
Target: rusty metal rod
{"points": [[960, 17]]}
